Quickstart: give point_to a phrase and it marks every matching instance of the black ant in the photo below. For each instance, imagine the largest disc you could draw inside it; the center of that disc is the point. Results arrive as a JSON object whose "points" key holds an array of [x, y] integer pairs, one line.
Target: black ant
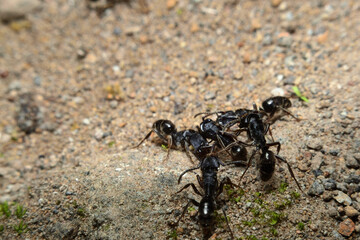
{"points": [[276, 104], [200, 147], [256, 132], [228, 118], [165, 129], [211, 190], [209, 129]]}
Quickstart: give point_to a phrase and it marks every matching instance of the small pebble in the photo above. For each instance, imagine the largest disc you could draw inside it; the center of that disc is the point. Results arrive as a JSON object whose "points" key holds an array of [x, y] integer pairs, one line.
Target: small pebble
{"points": [[86, 121], [268, 40], [238, 75], [209, 96], [316, 189], [353, 178], [278, 92], [351, 212], [14, 85], [346, 227], [351, 162], [343, 198], [341, 186], [317, 161], [129, 73], [333, 212], [285, 41], [290, 80], [98, 134], [37, 81], [78, 100], [68, 193], [275, 3], [314, 143], [81, 53], [114, 104], [117, 31], [170, 4], [329, 184]]}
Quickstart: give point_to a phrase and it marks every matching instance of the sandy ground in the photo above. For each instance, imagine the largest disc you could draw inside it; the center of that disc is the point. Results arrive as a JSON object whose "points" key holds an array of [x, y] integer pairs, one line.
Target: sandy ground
{"points": [[100, 81]]}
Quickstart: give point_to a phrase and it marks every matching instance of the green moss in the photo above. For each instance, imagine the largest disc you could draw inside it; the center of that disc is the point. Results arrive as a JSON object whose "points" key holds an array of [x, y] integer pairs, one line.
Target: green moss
{"points": [[172, 234], [295, 195], [111, 144], [251, 237], [274, 232], [255, 212], [301, 226], [20, 211], [282, 205], [21, 227], [4, 209], [274, 217], [191, 209], [249, 223], [283, 187], [81, 212], [2, 229]]}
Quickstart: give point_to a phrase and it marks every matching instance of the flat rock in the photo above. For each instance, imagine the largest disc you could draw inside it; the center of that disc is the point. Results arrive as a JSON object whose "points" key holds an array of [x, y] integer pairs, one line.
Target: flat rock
{"points": [[346, 227], [343, 198]]}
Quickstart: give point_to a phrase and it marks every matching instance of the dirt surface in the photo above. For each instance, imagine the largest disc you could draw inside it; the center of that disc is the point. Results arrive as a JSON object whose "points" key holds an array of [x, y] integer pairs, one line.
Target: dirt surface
{"points": [[100, 81]]}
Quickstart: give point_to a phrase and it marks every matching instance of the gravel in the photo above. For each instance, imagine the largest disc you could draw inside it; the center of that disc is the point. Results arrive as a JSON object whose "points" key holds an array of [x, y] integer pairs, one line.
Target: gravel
{"points": [[171, 63]]}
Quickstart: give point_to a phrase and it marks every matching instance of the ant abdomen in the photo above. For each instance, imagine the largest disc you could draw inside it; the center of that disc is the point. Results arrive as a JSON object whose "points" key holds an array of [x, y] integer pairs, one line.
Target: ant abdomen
{"points": [[266, 165]]}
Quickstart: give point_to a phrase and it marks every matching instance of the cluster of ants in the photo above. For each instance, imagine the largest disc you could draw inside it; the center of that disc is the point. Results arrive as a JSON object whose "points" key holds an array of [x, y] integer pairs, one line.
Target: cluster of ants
{"points": [[222, 135]]}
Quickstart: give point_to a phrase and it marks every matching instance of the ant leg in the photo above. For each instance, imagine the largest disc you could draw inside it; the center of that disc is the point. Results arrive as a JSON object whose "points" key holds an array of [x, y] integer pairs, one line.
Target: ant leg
{"points": [[234, 143], [206, 114], [275, 144], [184, 211], [290, 170], [289, 113], [222, 183], [222, 145], [146, 137], [229, 125], [268, 129], [189, 170], [249, 163], [169, 147], [227, 222], [193, 187], [201, 183], [187, 151]]}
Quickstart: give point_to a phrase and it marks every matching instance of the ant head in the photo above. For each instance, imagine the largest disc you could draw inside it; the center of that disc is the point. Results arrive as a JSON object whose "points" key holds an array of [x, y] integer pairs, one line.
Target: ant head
{"points": [[287, 103], [168, 127], [207, 120]]}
